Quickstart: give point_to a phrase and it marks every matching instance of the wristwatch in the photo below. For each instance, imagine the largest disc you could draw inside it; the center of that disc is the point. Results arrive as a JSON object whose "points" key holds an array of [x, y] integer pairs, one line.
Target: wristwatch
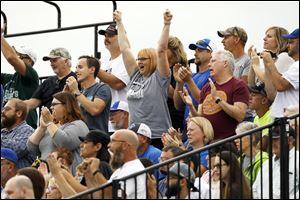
{"points": [[218, 99], [77, 94], [95, 172]]}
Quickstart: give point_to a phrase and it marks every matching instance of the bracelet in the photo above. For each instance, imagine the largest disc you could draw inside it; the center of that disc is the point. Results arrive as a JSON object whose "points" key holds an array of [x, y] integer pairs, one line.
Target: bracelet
{"points": [[97, 171]]}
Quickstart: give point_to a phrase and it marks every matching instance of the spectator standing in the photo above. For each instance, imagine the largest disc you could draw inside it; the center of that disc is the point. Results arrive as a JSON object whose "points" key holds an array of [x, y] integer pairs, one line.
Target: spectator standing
{"points": [[95, 98], [287, 83], [176, 54], [25, 80], [275, 43], [113, 71], [234, 40], [15, 131], [223, 101], [149, 81], [48, 136], [193, 82], [61, 64]]}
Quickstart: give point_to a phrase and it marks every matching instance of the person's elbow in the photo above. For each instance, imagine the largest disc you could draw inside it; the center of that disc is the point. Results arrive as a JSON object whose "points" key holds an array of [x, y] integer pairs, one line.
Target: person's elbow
{"points": [[285, 85]]}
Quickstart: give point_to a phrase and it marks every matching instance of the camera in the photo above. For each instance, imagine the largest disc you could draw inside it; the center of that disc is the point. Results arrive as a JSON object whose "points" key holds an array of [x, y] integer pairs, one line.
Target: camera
{"points": [[273, 55]]}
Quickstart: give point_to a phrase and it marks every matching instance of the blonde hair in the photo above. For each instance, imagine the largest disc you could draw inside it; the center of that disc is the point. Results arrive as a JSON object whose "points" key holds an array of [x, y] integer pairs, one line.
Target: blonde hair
{"points": [[152, 54], [206, 127], [281, 42], [178, 53]]}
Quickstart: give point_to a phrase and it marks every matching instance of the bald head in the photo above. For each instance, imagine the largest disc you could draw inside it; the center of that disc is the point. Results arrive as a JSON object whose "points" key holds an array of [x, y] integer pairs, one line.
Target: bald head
{"points": [[19, 187], [129, 136]]}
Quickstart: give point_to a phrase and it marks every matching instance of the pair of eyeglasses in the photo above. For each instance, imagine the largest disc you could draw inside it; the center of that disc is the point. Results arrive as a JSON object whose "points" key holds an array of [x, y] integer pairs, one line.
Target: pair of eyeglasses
{"points": [[54, 104], [22, 56], [142, 59], [203, 43]]}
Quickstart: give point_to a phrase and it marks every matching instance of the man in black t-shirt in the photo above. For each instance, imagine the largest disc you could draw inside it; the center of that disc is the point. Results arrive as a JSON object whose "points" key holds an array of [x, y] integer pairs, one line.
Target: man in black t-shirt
{"points": [[60, 60]]}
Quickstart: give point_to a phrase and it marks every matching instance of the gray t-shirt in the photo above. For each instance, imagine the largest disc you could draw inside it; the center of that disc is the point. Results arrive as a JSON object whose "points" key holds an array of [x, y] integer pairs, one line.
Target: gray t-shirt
{"points": [[101, 91], [242, 66], [147, 101], [66, 136]]}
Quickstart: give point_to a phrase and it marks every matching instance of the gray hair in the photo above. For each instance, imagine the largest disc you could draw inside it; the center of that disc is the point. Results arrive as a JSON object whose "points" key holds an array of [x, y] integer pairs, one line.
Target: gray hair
{"points": [[247, 126], [226, 56]]}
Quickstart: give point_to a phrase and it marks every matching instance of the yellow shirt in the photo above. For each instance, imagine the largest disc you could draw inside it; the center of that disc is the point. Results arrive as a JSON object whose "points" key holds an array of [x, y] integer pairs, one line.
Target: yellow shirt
{"points": [[264, 120]]}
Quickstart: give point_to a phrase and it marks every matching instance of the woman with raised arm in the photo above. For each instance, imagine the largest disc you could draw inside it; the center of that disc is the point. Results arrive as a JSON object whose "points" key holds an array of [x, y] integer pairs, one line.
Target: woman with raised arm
{"points": [[149, 80]]}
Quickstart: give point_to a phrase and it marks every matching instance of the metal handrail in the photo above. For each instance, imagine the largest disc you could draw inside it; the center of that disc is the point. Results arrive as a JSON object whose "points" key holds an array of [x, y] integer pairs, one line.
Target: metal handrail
{"points": [[58, 12], [5, 21]]}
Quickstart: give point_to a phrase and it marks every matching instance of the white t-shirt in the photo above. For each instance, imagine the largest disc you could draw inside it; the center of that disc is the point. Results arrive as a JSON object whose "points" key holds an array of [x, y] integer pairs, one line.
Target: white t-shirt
{"points": [[290, 96], [127, 169], [117, 68], [283, 63]]}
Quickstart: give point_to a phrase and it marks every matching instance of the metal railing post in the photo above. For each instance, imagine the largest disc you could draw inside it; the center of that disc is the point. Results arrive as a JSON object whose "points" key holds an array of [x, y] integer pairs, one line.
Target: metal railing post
{"points": [[284, 159], [58, 12]]}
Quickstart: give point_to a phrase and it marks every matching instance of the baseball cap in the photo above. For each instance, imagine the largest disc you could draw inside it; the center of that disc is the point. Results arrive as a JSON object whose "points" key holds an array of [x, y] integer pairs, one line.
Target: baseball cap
{"points": [[26, 51], [141, 128], [292, 35], [96, 136], [111, 29], [119, 105], [259, 88], [236, 31], [184, 172], [276, 132], [57, 53], [203, 44], [9, 154]]}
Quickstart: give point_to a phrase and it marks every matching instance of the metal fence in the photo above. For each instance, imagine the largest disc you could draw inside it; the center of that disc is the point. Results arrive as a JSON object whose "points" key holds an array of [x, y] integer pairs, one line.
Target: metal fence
{"points": [[289, 175]]}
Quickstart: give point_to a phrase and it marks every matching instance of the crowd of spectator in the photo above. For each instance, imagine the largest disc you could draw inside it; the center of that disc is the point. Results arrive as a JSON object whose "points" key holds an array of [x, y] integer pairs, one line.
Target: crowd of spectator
{"points": [[112, 118]]}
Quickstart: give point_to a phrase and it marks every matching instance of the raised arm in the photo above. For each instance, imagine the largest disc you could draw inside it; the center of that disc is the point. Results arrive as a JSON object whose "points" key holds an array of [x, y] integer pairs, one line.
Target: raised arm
{"points": [[163, 64], [124, 44], [11, 55]]}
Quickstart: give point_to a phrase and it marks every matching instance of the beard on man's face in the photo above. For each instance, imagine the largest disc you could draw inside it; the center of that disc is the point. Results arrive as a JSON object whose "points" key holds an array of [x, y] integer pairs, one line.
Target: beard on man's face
{"points": [[173, 191], [117, 159], [7, 122]]}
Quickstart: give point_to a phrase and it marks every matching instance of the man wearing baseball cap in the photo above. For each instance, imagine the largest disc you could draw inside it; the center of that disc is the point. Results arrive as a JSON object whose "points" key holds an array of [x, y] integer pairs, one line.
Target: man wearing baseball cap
{"points": [[25, 80], [113, 71], [276, 134], [118, 116], [234, 40], [9, 162], [145, 149], [61, 64], [181, 182], [287, 83], [194, 82]]}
